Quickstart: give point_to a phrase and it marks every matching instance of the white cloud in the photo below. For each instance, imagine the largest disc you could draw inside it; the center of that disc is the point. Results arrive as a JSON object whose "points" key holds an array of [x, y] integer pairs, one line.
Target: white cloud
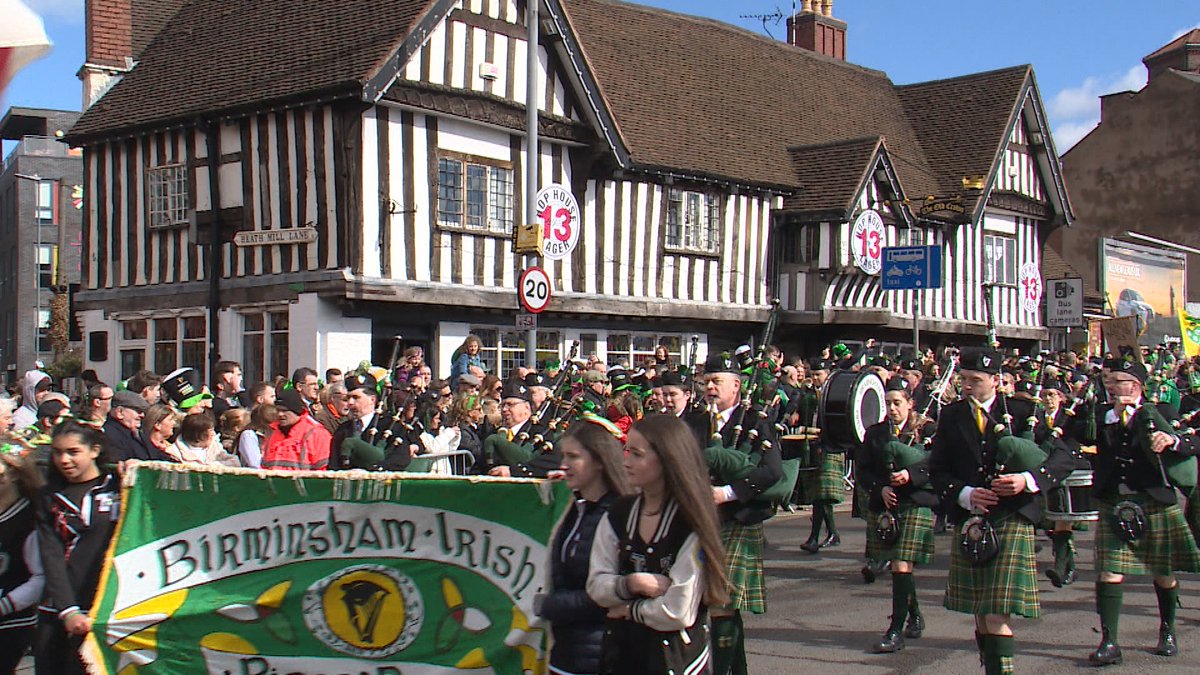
{"points": [[1076, 110], [65, 10]]}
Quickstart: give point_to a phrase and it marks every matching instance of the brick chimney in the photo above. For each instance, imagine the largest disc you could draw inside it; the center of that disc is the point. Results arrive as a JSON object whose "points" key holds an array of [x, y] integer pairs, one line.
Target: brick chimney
{"points": [[109, 46], [815, 29]]}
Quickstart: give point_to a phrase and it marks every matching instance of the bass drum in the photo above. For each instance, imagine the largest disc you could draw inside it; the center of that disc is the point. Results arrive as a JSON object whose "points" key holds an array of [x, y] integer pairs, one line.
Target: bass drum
{"points": [[851, 403]]}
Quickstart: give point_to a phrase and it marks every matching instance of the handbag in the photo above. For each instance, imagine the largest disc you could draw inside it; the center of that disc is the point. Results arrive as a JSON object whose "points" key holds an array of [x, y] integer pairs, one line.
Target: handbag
{"points": [[1129, 521], [887, 528], [979, 543]]}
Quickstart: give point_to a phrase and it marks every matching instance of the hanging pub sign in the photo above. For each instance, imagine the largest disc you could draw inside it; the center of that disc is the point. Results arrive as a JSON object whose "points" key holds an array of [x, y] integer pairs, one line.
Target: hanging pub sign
{"points": [[942, 205], [1029, 282], [866, 242]]}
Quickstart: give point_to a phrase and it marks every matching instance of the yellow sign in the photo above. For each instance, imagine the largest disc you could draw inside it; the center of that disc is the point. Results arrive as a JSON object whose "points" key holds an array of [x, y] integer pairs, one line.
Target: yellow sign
{"points": [[529, 238]]}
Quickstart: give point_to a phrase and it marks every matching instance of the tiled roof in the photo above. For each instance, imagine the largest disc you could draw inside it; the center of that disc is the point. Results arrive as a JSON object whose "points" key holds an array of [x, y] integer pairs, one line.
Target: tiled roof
{"points": [[961, 123], [216, 55], [1191, 37], [149, 16], [830, 174], [697, 95]]}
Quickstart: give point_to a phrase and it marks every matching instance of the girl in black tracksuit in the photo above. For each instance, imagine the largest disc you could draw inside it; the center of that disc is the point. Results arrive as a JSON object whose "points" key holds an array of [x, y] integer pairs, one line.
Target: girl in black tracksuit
{"points": [[592, 459], [21, 579], [77, 514]]}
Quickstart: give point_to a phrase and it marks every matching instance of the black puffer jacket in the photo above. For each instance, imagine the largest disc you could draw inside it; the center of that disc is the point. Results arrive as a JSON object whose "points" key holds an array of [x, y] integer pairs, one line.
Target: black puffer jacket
{"points": [[577, 623]]}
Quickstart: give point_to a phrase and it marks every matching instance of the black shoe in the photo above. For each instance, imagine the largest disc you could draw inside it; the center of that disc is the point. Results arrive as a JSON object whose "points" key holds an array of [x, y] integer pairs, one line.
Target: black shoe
{"points": [[1166, 642], [810, 546], [832, 540], [1107, 654], [1069, 577], [892, 642], [1055, 578], [916, 626], [868, 574]]}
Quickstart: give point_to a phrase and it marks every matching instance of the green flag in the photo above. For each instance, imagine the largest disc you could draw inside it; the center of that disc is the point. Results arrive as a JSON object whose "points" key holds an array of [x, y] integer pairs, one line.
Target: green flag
{"points": [[260, 573]]}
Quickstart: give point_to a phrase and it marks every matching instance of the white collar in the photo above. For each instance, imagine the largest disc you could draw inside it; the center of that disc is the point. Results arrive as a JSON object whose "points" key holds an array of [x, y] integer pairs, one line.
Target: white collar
{"points": [[986, 405]]}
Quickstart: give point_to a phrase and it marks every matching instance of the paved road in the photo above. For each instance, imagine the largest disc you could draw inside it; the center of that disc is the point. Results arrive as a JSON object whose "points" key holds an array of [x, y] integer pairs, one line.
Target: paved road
{"points": [[823, 618]]}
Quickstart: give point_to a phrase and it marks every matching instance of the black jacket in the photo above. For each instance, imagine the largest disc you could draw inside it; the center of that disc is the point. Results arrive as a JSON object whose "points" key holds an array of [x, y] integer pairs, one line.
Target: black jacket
{"points": [[962, 457], [874, 473], [747, 508], [126, 444], [576, 622], [73, 546], [1122, 458]]}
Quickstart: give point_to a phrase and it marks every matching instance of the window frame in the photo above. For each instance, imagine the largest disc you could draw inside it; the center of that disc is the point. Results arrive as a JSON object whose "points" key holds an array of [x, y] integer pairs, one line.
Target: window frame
{"points": [[1009, 260], [636, 356], [499, 357], [168, 208], [489, 210], [688, 239], [275, 344]]}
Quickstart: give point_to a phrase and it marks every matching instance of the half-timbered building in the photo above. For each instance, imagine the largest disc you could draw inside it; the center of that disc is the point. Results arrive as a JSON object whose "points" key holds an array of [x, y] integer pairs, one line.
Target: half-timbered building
{"points": [[295, 183]]}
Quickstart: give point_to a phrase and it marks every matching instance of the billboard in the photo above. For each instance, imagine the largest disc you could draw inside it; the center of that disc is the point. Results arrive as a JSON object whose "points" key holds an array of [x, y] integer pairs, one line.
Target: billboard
{"points": [[1145, 283]]}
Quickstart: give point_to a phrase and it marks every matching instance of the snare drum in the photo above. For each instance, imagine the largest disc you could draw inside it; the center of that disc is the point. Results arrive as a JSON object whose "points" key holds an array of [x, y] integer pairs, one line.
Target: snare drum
{"points": [[1071, 502], [799, 446]]}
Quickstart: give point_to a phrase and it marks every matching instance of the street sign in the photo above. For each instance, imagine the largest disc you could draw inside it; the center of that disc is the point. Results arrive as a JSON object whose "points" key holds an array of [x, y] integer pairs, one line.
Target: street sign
{"points": [[912, 267], [866, 241], [1064, 303], [558, 212], [533, 290], [526, 321], [1029, 281]]}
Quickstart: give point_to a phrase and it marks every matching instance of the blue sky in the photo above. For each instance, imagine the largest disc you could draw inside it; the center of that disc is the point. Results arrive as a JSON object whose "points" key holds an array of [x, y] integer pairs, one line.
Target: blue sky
{"points": [[1079, 49]]}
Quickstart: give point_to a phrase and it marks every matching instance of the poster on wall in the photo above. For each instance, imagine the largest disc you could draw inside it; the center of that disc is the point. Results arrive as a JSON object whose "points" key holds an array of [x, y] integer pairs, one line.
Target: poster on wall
{"points": [[1145, 283]]}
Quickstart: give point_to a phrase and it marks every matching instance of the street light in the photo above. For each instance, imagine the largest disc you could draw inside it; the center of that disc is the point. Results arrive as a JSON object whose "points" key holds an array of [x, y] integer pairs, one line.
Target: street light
{"points": [[37, 263]]}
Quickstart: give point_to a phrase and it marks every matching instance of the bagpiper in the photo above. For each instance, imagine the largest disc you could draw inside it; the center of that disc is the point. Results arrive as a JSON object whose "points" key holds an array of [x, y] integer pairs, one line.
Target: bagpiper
{"points": [[893, 470], [1141, 459], [993, 501]]}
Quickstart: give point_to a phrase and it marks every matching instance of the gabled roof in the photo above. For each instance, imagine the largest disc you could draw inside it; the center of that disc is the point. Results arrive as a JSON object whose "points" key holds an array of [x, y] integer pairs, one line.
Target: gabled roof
{"points": [[831, 174], [216, 56], [963, 124], [698, 96], [1191, 37]]}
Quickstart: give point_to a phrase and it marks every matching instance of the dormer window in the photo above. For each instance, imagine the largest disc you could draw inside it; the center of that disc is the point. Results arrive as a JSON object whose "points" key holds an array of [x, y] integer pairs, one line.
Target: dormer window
{"points": [[694, 222]]}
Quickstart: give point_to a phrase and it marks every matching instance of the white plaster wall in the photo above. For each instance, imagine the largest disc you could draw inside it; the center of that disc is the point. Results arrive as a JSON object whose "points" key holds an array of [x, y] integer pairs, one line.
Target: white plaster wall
{"points": [[320, 337]]}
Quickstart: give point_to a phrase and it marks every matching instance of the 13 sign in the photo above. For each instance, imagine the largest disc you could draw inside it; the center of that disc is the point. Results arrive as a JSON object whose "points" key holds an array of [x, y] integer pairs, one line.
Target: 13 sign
{"points": [[558, 214], [866, 242], [534, 290]]}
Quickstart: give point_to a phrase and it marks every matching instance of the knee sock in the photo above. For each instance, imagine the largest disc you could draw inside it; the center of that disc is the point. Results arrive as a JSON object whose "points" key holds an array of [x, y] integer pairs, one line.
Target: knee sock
{"points": [[724, 643], [818, 516], [1003, 648], [740, 667], [914, 609], [902, 588], [829, 526], [1062, 552], [1168, 600], [1108, 605]]}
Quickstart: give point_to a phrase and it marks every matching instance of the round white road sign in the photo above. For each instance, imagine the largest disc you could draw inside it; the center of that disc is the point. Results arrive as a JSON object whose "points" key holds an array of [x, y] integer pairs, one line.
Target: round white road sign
{"points": [[558, 214]]}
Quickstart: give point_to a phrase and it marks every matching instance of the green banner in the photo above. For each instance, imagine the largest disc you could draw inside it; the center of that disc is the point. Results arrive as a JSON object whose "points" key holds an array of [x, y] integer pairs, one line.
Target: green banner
{"points": [[242, 572]]}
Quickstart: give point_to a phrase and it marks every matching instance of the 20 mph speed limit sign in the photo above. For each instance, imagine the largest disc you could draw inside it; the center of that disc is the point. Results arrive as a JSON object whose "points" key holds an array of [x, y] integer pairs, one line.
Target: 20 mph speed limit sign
{"points": [[534, 290]]}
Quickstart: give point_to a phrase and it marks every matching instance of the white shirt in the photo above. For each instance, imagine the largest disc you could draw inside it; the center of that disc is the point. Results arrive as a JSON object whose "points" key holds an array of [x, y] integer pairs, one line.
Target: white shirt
{"points": [[964, 496]]}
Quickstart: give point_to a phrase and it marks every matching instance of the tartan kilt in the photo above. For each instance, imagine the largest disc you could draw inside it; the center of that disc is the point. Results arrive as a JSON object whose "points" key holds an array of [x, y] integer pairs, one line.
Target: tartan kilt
{"points": [[744, 566], [1167, 545], [1007, 585], [827, 483], [915, 544]]}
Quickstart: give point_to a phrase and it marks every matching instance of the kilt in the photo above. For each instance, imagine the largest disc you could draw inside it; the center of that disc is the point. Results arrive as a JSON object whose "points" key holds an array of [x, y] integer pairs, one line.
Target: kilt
{"points": [[1167, 545], [1007, 585], [915, 544], [827, 483], [744, 566]]}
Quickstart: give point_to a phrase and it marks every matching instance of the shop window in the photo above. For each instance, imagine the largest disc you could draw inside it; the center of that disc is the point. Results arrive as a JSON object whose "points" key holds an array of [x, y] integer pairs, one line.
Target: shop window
{"points": [[264, 345]]}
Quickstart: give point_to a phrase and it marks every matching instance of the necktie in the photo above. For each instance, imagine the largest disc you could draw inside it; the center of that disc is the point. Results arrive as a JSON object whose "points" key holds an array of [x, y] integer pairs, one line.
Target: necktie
{"points": [[979, 419], [358, 427], [508, 434], [1125, 416]]}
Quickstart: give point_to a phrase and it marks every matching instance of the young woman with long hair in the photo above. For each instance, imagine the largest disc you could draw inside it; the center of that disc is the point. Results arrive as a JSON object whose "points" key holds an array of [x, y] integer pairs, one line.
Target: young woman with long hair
{"points": [[592, 467], [657, 562], [22, 581], [77, 516]]}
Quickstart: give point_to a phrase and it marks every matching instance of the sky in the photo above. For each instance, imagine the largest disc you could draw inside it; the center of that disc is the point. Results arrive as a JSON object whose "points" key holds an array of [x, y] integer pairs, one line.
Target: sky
{"points": [[1079, 49]]}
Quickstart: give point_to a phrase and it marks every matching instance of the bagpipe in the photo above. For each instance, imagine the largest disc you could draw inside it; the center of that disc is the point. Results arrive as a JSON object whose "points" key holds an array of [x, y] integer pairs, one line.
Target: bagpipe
{"points": [[390, 432], [1176, 469]]}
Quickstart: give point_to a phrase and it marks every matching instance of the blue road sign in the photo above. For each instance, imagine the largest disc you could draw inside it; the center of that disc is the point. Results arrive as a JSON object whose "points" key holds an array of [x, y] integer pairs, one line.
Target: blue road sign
{"points": [[911, 267]]}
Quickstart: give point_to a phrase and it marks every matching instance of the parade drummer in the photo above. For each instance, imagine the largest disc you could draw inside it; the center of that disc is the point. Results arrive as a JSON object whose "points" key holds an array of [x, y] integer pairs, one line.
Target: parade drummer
{"points": [[1054, 423], [742, 516], [893, 469], [1142, 528], [969, 482], [825, 486]]}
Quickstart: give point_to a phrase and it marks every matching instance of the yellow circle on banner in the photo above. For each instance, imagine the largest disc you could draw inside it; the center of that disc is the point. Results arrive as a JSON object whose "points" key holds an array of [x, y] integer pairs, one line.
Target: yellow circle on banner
{"points": [[365, 609]]}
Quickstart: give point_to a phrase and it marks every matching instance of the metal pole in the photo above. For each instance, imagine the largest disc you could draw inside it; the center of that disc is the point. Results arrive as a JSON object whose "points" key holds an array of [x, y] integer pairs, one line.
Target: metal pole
{"points": [[916, 305], [37, 272], [531, 153]]}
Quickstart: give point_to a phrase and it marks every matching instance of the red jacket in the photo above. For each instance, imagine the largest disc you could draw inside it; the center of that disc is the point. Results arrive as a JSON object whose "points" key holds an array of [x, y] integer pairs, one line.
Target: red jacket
{"points": [[304, 447]]}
